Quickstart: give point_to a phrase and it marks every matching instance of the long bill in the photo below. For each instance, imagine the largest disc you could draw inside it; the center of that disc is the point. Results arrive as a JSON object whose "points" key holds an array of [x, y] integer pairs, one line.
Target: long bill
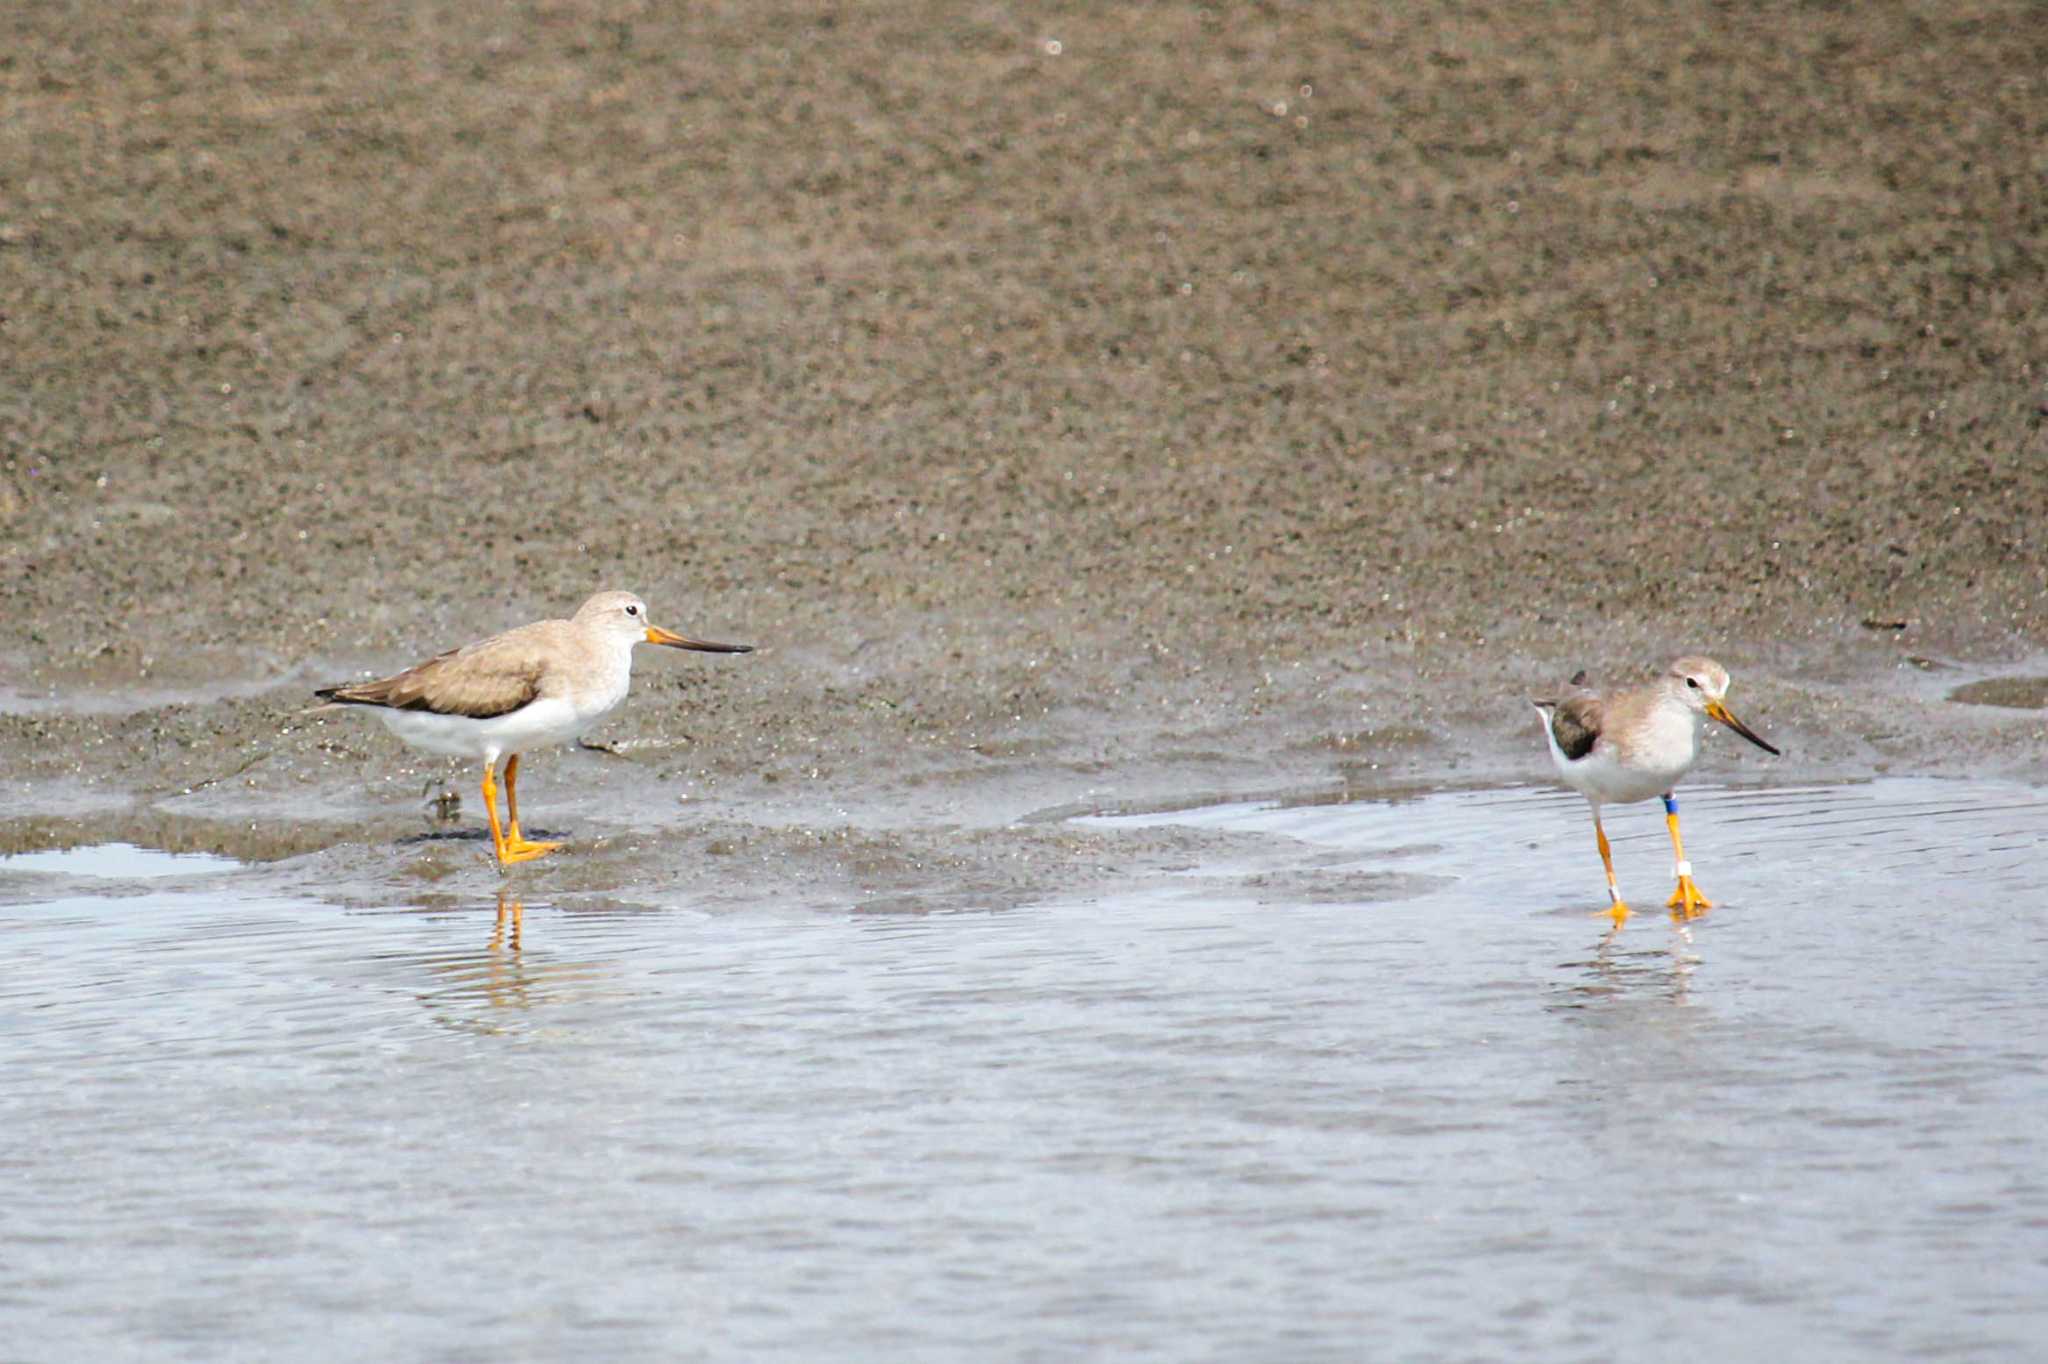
{"points": [[657, 635], [1717, 711]]}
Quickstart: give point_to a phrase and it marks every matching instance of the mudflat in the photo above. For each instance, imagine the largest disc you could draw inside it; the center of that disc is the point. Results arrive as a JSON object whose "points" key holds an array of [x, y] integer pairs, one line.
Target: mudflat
{"points": [[1074, 407]]}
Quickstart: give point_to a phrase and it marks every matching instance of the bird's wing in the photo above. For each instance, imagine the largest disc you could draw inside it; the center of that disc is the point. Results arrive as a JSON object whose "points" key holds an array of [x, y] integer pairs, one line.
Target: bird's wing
{"points": [[1575, 723], [494, 676]]}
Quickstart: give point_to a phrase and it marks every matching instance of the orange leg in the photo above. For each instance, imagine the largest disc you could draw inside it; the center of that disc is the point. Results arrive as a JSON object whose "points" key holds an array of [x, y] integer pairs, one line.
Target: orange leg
{"points": [[491, 809], [1617, 908], [1686, 902], [517, 848], [513, 848]]}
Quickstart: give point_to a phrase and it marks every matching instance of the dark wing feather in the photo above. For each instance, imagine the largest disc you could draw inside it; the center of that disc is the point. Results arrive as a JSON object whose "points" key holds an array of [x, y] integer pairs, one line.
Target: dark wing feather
{"points": [[1575, 724], [482, 680]]}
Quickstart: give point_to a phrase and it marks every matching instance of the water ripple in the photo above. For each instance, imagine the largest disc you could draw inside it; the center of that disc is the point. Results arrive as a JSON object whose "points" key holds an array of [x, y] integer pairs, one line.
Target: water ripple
{"points": [[1431, 1104]]}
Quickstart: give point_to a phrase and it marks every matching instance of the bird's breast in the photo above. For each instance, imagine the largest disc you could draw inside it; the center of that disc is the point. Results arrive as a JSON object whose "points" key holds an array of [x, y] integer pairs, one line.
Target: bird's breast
{"points": [[603, 686], [1664, 744], [599, 697]]}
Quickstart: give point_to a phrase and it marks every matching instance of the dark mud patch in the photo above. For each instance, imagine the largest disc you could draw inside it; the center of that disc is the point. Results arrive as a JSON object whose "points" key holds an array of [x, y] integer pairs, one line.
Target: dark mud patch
{"points": [[2011, 693], [243, 842]]}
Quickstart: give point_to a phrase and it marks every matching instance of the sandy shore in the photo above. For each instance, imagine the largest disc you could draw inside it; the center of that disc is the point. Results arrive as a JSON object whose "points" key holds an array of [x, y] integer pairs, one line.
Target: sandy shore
{"points": [[1116, 407]]}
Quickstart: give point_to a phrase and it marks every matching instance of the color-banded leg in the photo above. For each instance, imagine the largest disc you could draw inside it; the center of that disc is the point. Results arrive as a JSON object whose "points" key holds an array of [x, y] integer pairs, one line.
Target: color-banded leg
{"points": [[1617, 907], [516, 845], [1686, 902]]}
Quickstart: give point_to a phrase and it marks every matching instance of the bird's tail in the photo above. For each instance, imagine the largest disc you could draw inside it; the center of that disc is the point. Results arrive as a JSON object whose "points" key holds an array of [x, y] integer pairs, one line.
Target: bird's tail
{"points": [[345, 694], [1578, 680]]}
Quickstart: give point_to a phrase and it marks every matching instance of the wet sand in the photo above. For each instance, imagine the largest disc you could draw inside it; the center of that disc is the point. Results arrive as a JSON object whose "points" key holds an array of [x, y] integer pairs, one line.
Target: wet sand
{"points": [[1099, 408]]}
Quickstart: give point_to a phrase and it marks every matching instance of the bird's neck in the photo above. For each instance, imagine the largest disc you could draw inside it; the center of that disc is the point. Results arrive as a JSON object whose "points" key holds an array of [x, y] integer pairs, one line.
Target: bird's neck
{"points": [[618, 654]]}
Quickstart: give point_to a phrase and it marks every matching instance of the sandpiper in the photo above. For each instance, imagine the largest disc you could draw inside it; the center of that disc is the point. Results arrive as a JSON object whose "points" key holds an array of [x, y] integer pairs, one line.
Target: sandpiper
{"points": [[539, 684], [1623, 746]]}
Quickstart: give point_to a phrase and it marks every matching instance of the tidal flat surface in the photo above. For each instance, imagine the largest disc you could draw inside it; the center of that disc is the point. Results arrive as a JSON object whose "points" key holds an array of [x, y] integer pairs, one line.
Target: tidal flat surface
{"points": [[1374, 1084]]}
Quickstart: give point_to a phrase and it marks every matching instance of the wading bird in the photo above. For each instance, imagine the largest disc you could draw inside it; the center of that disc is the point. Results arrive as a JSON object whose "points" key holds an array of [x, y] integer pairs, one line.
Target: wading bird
{"points": [[539, 684], [1622, 746]]}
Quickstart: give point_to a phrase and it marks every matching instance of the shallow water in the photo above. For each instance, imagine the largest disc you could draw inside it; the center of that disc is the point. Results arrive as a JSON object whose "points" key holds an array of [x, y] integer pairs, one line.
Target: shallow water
{"points": [[115, 862], [1375, 1085]]}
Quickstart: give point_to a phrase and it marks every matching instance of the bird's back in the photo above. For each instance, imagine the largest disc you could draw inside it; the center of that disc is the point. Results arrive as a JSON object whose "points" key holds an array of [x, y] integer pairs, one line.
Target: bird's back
{"points": [[487, 678]]}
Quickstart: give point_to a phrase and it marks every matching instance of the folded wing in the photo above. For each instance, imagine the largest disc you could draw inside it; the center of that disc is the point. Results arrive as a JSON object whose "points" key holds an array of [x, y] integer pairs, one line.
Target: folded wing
{"points": [[493, 677], [1575, 723]]}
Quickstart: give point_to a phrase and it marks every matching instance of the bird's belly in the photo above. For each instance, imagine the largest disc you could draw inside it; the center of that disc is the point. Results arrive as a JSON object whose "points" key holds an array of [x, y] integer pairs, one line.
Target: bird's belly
{"points": [[1602, 777], [534, 725]]}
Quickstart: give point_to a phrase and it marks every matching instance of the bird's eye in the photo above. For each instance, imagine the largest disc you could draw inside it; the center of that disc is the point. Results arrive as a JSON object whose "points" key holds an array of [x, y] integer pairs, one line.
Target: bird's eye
{"points": [[634, 611], [1692, 682]]}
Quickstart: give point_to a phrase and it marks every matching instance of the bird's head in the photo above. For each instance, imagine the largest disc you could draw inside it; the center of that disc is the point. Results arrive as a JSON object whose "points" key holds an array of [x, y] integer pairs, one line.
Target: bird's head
{"points": [[625, 615], [1701, 685]]}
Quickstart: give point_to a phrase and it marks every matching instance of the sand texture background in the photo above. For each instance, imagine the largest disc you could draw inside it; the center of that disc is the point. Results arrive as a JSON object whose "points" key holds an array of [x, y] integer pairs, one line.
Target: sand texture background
{"points": [[1076, 402]]}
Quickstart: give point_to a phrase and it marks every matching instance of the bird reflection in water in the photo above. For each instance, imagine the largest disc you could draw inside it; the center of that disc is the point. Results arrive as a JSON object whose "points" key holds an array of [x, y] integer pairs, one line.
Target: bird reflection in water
{"points": [[1612, 975], [479, 989], [512, 912]]}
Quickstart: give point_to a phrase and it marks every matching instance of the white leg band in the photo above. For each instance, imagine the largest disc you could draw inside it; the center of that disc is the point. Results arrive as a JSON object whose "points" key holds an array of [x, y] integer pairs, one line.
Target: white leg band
{"points": [[1684, 871]]}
